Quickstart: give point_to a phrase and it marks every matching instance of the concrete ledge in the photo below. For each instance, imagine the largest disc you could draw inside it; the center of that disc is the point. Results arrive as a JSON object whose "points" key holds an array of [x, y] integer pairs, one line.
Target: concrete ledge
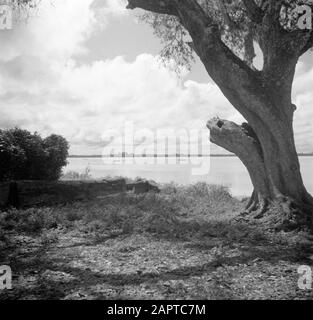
{"points": [[143, 187], [4, 194], [23, 194], [47, 193]]}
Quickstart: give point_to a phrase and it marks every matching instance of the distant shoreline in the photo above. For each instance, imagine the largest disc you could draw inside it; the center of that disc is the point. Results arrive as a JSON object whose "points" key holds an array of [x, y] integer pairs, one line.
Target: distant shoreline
{"points": [[172, 156]]}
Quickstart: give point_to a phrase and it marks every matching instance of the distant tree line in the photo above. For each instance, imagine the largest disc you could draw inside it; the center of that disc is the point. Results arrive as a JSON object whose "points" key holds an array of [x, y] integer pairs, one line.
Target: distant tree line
{"points": [[27, 156]]}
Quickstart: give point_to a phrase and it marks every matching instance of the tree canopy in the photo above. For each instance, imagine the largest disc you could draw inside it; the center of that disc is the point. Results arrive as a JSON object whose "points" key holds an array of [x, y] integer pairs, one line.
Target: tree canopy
{"points": [[27, 156], [237, 23]]}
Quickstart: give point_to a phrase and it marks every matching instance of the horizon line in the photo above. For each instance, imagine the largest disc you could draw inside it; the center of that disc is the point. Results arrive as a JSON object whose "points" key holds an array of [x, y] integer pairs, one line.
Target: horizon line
{"points": [[161, 155]]}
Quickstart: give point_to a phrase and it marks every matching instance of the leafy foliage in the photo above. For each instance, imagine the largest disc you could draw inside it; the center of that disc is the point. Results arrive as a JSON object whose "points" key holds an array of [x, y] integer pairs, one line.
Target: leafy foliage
{"points": [[175, 39], [57, 152], [26, 156], [23, 9], [237, 31]]}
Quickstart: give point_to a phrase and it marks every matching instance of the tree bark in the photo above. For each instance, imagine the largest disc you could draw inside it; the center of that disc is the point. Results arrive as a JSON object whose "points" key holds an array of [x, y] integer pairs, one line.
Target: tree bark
{"points": [[273, 167], [242, 141]]}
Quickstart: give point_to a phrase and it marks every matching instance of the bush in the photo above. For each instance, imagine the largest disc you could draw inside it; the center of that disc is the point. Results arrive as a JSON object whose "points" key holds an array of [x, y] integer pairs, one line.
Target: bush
{"points": [[26, 156]]}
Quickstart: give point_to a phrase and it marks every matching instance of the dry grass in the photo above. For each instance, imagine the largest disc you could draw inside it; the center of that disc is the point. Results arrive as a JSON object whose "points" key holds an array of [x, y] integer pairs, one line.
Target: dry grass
{"points": [[180, 244], [176, 211]]}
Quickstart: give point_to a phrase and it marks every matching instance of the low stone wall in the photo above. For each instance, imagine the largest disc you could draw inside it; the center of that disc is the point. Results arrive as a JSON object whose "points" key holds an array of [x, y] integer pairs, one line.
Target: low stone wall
{"points": [[143, 187], [46, 193], [4, 194], [23, 194]]}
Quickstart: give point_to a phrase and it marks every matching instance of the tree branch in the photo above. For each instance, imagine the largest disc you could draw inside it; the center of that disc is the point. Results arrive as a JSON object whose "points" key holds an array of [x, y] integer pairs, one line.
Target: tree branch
{"points": [[308, 45], [225, 14], [254, 12], [218, 59], [235, 139], [239, 83], [243, 142], [157, 6], [281, 49]]}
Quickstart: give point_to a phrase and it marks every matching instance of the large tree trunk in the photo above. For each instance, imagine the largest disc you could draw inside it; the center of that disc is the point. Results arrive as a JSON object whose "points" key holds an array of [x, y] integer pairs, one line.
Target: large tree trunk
{"points": [[283, 171], [271, 159], [262, 97]]}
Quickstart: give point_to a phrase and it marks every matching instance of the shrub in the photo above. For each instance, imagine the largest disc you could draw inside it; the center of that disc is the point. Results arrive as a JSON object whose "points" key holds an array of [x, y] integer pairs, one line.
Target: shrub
{"points": [[26, 156], [56, 148]]}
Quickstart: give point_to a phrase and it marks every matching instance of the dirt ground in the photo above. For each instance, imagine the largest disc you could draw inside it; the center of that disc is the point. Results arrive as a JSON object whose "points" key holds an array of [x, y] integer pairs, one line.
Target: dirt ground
{"points": [[194, 256], [144, 267]]}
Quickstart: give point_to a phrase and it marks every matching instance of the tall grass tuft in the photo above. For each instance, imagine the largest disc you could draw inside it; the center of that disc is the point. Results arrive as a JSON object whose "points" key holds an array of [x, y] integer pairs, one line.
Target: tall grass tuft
{"points": [[76, 176]]}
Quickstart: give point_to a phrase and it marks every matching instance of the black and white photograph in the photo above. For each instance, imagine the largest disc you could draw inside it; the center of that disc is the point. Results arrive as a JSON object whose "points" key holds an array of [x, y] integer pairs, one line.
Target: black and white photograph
{"points": [[157, 151]]}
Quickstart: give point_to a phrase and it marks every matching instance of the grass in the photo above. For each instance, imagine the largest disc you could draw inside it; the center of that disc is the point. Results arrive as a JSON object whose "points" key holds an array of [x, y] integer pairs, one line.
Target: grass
{"points": [[77, 176], [182, 243], [176, 211]]}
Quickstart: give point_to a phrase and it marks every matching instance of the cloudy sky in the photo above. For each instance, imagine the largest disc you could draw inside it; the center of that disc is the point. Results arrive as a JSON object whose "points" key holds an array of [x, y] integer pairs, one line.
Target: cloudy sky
{"points": [[81, 67]]}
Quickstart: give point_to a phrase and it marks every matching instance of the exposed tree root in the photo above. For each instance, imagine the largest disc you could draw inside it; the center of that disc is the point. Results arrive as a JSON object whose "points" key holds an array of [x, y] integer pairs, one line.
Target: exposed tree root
{"points": [[283, 214], [261, 210], [256, 207], [295, 215], [252, 204]]}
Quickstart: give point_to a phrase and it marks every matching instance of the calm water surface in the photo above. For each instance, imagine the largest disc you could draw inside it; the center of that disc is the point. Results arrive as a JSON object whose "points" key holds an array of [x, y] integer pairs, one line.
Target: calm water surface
{"points": [[228, 171]]}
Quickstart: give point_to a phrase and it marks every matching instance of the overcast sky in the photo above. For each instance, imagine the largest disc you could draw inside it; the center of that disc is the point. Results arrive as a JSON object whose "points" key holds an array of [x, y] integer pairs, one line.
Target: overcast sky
{"points": [[81, 67]]}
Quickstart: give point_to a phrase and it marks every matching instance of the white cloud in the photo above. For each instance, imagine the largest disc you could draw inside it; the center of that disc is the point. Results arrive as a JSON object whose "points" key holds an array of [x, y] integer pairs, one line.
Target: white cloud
{"points": [[113, 7], [43, 88], [57, 29], [81, 102], [303, 99]]}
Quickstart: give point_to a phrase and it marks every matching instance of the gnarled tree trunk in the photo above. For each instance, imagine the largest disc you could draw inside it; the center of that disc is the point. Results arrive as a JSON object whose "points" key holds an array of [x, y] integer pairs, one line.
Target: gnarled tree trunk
{"points": [[278, 182], [262, 97], [242, 141]]}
